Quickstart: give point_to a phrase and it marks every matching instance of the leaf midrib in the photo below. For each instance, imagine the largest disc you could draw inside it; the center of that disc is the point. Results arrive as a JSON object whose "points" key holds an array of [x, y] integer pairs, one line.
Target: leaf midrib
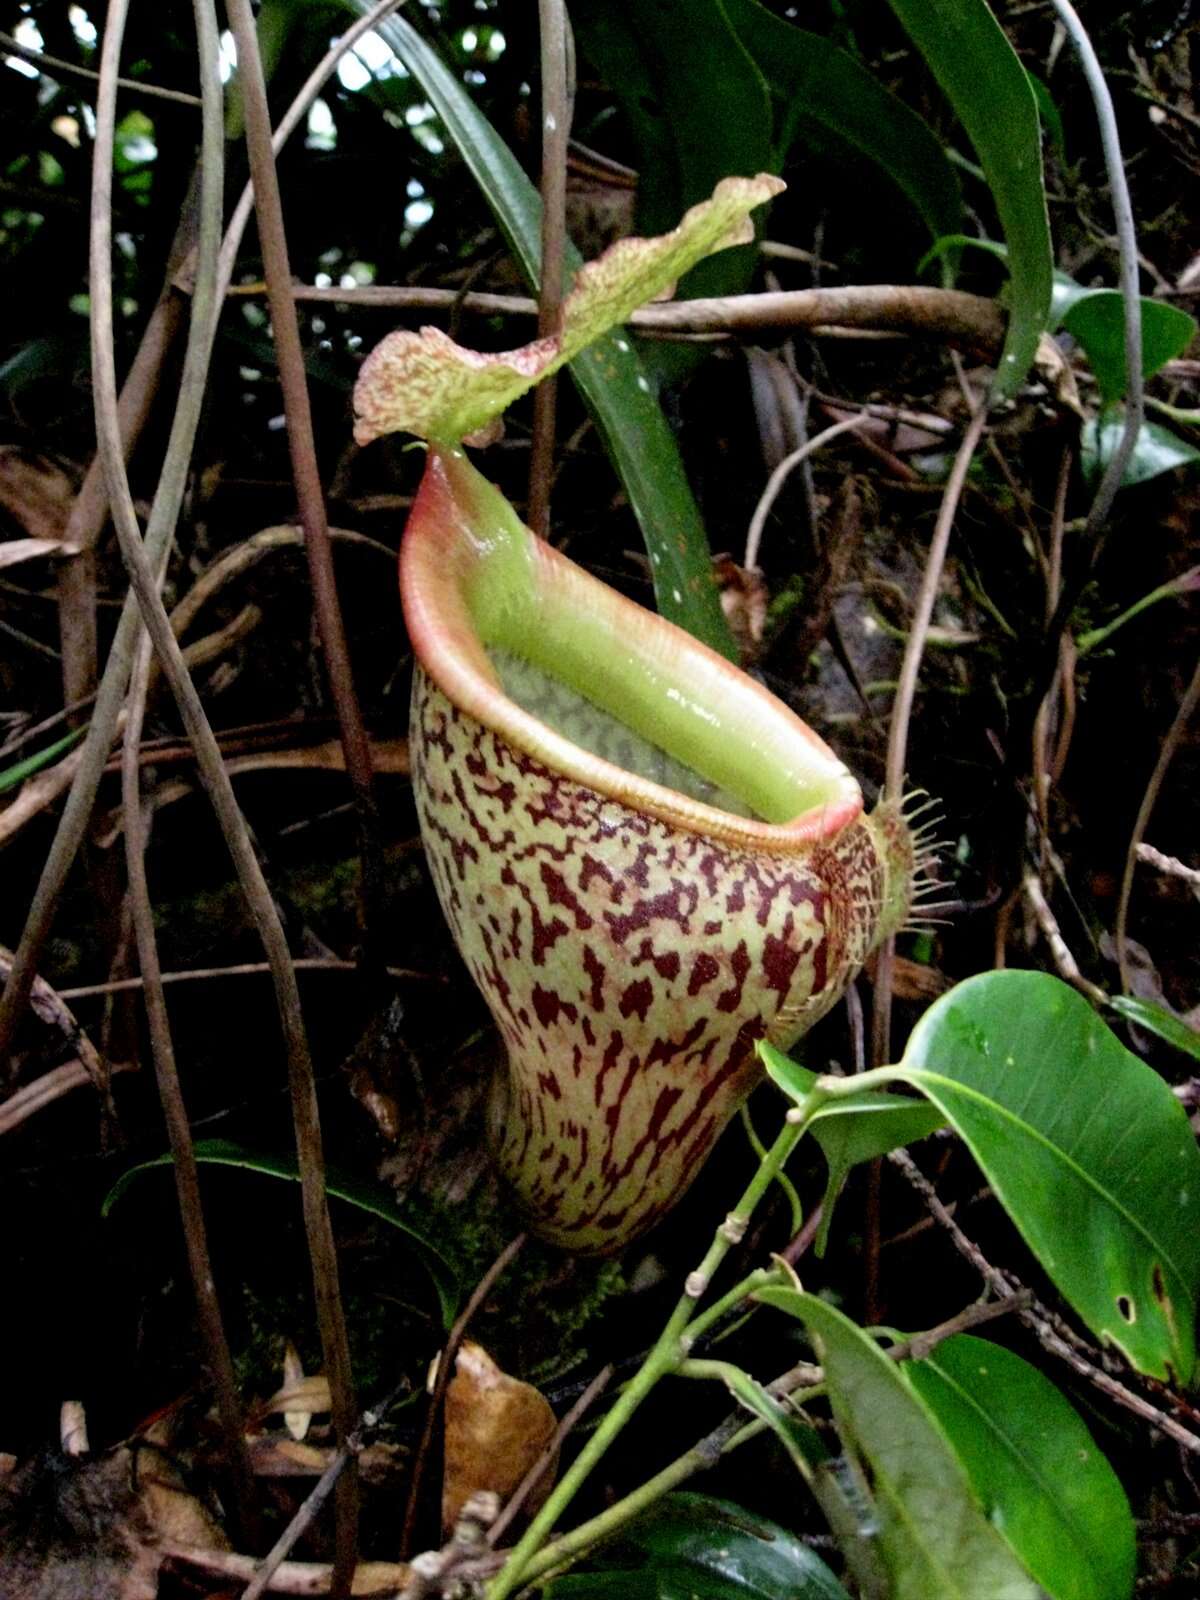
{"points": [[923, 1075]]}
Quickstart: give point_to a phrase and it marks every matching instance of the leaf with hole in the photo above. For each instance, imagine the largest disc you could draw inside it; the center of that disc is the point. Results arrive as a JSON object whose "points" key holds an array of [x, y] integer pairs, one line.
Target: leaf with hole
{"points": [[1084, 1146], [1034, 1467], [984, 81], [934, 1537], [365, 1197]]}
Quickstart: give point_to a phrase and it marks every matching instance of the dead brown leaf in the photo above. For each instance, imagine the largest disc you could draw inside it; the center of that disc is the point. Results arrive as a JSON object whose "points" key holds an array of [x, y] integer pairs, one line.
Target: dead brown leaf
{"points": [[36, 494], [496, 1428]]}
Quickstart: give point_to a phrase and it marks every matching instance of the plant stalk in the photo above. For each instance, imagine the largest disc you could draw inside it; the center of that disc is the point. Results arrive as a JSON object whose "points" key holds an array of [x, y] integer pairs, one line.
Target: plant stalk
{"points": [[669, 1352]]}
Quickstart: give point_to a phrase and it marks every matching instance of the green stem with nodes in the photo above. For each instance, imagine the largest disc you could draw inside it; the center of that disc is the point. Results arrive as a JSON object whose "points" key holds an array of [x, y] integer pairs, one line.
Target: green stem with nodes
{"points": [[741, 1291], [667, 1356], [701, 1457]]}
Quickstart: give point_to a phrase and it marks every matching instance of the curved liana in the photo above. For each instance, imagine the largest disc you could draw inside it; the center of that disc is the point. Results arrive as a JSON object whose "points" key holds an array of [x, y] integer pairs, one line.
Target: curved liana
{"points": [[648, 862]]}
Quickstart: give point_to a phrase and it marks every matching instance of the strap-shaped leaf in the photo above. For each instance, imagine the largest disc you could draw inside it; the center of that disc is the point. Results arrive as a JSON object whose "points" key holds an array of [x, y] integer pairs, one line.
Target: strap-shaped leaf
{"points": [[610, 377], [984, 81], [365, 1197]]}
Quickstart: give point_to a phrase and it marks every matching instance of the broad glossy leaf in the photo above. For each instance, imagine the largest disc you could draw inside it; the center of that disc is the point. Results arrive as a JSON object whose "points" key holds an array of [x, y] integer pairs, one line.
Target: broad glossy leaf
{"points": [[979, 73], [616, 389], [691, 1545], [1155, 451], [814, 80], [1160, 1022], [1086, 1148], [934, 1538], [378, 1201], [1096, 317], [1034, 1467], [852, 1130]]}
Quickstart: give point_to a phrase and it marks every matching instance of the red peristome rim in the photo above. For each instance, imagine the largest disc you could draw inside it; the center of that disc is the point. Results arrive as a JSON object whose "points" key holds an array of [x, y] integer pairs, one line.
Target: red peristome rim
{"points": [[439, 551]]}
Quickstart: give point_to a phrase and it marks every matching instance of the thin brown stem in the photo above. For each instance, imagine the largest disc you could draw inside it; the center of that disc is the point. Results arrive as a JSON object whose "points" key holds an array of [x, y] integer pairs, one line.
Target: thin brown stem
{"points": [[1183, 716], [86, 765], [89, 512], [55, 67], [914, 650], [556, 133], [945, 314], [288, 123], [141, 571], [445, 1371], [246, 969], [187, 1178], [302, 446]]}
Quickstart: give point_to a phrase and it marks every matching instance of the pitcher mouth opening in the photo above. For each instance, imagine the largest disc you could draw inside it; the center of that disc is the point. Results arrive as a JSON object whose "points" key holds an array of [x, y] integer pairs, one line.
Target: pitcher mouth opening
{"points": [[599, 689]]}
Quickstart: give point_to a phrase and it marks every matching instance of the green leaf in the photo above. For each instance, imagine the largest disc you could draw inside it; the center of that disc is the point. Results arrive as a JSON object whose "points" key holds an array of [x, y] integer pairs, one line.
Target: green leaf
{"points": [[1086, 1148], [1034, 1467], [802, 1442], [12, 777], [378, 1202], [851, 1130], [1159, 1021], [685, 142], [950, 242], [1156, 449], [691, 1545], [1096, 317], [934, 1538], [617, 391], [814, 80], [981, 76], [425, 383], [1048, 112]]}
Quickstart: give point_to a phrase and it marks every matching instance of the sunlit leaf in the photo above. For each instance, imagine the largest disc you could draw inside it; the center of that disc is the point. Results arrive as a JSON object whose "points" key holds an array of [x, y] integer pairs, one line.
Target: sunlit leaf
{"points": [[1033, 1466]]}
